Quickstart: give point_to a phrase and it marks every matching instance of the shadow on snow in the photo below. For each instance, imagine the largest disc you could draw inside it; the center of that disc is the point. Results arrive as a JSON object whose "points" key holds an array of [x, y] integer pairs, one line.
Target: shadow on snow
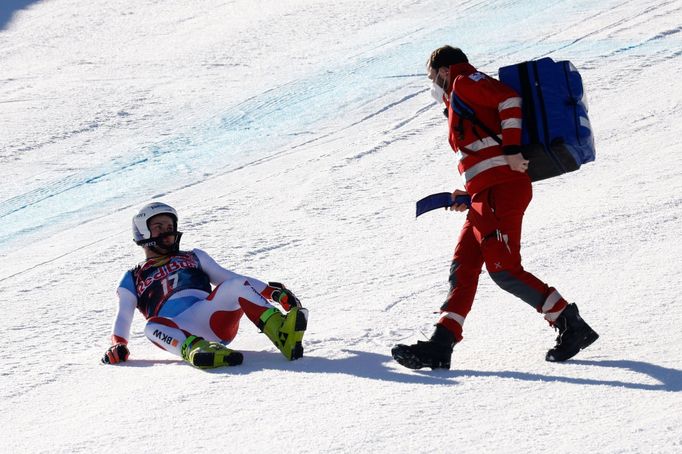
{"points": [[669, 379], [382, 367]]}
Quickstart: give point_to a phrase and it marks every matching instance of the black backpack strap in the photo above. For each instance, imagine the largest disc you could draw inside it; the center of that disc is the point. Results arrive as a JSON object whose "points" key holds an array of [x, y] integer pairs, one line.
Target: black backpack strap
{"points": [[464, 112]]}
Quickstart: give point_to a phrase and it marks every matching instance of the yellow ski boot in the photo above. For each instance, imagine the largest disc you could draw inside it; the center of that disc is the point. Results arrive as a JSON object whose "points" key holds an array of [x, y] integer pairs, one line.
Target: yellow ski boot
{"points": [[285, 331], [207, 355]]}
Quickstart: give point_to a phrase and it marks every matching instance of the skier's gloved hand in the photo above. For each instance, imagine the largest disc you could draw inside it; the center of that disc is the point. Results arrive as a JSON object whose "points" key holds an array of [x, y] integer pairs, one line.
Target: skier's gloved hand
{"points": [[284, 296], [116, 354]]}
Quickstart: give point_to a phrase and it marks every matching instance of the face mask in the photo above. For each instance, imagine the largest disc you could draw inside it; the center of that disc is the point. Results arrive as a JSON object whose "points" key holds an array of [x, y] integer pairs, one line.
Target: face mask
{"points": [[437, 90]]}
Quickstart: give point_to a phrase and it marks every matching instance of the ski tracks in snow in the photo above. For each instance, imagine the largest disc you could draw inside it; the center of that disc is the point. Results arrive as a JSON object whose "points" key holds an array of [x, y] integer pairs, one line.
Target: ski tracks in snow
{"points": [[330, 212]]}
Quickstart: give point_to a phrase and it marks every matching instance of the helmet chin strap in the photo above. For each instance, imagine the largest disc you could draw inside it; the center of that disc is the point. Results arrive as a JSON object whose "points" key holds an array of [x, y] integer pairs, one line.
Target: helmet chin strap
{"points": [[163, 251], [153, 243]]}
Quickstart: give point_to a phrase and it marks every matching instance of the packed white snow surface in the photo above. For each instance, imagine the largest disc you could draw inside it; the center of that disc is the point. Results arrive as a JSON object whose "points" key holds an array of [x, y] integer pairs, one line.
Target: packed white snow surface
{"points": [[294, 138]]}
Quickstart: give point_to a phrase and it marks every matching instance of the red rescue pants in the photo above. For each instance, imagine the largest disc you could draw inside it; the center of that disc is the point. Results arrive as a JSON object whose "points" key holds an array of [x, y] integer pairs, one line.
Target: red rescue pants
{"points": [[492, 235]]}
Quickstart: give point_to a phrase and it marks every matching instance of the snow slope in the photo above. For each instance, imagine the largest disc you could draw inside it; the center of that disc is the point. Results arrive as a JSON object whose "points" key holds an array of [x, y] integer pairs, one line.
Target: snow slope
{"points": [[294, 138]]}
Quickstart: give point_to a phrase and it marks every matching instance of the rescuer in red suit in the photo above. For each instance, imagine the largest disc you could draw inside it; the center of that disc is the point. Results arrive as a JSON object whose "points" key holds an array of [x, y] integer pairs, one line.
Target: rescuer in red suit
{"points": [[495, 176]]}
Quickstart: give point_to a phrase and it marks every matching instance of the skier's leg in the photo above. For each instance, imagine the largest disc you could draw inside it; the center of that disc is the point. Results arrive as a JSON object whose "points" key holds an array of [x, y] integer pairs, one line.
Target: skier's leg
{"points": [[203, 329], [166, 334], [284, 330], [215, 318]]}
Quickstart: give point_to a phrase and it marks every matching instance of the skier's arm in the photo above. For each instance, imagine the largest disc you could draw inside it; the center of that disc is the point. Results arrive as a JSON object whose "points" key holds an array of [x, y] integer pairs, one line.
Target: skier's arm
{"points": [[124, 317], [127, 300]]}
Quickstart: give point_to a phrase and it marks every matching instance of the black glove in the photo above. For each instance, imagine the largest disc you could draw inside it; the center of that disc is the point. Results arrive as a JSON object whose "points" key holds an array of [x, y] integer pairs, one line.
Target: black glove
{"points": [[284, 296], [116, 354]]}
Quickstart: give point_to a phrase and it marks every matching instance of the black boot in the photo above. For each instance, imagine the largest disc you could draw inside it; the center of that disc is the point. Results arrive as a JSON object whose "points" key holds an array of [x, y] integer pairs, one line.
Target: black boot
{"points": [[434, 353], [574, 335]]}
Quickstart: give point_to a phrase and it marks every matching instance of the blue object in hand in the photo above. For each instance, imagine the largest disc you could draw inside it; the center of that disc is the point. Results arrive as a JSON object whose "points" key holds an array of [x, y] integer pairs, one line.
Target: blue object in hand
{"points": [[441, 200]]}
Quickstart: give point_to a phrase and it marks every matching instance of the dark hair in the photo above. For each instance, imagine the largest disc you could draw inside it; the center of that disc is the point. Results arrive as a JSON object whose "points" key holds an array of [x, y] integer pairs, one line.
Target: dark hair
{"points": [[446, 56]]}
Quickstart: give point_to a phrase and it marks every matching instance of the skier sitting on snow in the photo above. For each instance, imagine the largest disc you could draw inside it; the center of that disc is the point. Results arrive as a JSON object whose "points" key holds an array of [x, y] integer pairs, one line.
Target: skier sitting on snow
{"points": [[185, 315]]}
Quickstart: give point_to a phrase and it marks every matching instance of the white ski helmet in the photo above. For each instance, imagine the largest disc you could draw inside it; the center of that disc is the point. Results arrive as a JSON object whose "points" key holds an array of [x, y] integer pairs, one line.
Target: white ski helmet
{"points": [[141, 233]]}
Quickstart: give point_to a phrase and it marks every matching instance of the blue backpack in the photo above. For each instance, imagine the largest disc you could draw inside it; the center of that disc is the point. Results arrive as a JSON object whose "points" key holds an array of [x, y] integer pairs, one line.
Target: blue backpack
{"points": [[556, 137]]}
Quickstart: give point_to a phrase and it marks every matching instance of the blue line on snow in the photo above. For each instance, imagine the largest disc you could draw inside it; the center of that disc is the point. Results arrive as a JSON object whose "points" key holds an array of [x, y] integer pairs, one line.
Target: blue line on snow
{"points": [[267, 122]]}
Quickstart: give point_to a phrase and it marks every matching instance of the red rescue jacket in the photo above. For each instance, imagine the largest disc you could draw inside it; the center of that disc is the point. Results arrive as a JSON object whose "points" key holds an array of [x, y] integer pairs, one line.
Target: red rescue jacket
{"points": [[481, 160]]}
